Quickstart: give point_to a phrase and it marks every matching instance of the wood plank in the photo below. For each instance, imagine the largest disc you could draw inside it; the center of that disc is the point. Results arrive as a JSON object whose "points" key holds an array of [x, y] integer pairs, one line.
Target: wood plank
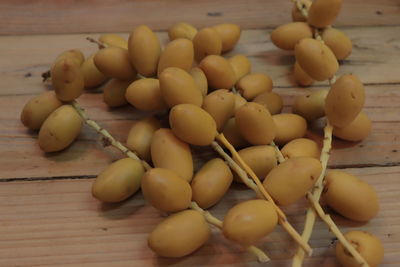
{"points": [[374, 59], [59, 223], [43, 17], [87, 157]]}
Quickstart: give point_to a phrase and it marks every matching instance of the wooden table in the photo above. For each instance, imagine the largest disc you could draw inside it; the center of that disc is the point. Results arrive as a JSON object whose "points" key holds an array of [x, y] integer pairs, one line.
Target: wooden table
{"points": [[47, 214]]}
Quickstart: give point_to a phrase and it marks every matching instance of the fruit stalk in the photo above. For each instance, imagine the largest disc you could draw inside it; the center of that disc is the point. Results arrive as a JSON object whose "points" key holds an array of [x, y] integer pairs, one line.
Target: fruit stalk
{"points": [[278, 153], [261, 256], [282, 217]]}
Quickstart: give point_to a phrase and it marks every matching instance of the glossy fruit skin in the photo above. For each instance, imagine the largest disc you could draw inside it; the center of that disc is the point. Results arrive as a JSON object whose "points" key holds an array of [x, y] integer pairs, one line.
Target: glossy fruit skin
{"points": [[114, 62], [232, 134], [113, 40], [200, 79], [271, 101], [254, 84], [178, 53], [316, 59], [192, 124], [67, 79], [301, 77], [169, 152], [114, 92], [338, 42], [323, 13], [241, 65], [91, 74], [118, 181], [287, 35], [356, 131], [140, 136], [292, 179], [345, 100], [288, 127], [311, 106], [182, 30], [261, 159], [301, 147], [239, 101], [255, 124], [145, 94], [60, 129], [38, 108], [211, 183], [206, 42], [180, 234], [368, 245], [296, 14], [219, 72], [249, 221], [74, 54], [165, 190], [220, 104], [350, 196], [144, 50], [229, 33], [178, 87]]}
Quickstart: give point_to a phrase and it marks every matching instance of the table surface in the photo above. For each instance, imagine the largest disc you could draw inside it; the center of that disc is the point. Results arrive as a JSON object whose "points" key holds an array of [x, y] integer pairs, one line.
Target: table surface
{"points": [[47, 214]]}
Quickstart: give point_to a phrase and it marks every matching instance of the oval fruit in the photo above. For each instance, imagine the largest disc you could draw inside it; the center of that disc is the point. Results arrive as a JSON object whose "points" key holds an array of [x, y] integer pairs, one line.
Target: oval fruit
{"points": [[255, 124], [180, 234], [178, 53], [165, 190], [145, 94], [118, 181], [113, 40], [144, 50], [249, 221], [241, 65], [288, 127], [169, 152], [67, 79], [211, 183], [114, 92], [229, 33], [60, 129], [200, 79], [220, 104], [114, 62], [350, 196], [301, 147], [356, 131], [367, 245], [311, 106], [338, 42], [178, 87], [73, 54], [292, 179], [323, 13], [287, 35], [232, 134], [140, 136], [254, 84], [316, 59], [219, 72], [345, 100], [91, 74], [38, 108], [301, 77], [192, 124], [261, 159], [271, 101], [182, 30], [206, 42]]}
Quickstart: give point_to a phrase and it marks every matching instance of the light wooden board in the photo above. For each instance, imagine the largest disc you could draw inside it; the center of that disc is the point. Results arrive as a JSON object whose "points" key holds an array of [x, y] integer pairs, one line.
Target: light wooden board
{"points": [[46, 16], [58, 222]]}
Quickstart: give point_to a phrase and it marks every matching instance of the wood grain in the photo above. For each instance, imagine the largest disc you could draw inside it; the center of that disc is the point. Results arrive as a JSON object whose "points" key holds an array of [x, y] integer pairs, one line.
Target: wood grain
{"points": [[58, 222], [69, 16]]}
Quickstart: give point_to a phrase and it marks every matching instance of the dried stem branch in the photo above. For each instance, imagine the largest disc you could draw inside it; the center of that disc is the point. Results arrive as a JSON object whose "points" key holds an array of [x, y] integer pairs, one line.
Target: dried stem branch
{"points": [[282, 217], [261, 256], [100, 44], [278, 153]]}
